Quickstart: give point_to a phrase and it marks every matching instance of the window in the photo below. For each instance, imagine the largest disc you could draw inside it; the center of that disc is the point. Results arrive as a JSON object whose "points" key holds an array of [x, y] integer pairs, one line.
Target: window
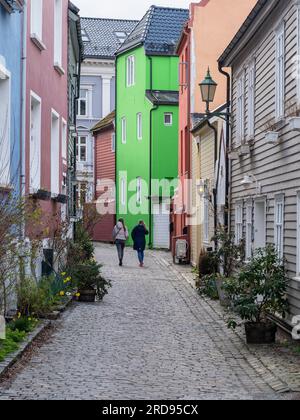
{"points": [[168, 118], [113, 142], [240, 123], [124, 130], [55, 174], [121, 36], [84, 36], [249, 230], [83, 103], [206, 220], [279, 225], [139, 190], [139, 126], [298, 234], [251, 99], [64, 140], [35, 142], [58, 22], [280, 72], [123, 192], [130, 71], [5, 117], [81, 149], [37, 19], [238, 223]]}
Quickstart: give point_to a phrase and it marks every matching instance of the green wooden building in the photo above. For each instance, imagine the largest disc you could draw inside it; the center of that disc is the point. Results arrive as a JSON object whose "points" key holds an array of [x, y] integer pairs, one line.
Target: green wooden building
{"points": [[147, 122]]}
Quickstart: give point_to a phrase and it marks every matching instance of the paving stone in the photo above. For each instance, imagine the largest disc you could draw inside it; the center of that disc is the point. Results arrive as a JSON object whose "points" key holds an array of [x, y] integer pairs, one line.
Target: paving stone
{"points": [[153, 337]]}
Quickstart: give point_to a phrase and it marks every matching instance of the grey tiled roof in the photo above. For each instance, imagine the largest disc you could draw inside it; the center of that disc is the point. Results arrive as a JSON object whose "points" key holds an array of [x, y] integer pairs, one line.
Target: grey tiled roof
{"points": [[103, 41], [159, 31]]}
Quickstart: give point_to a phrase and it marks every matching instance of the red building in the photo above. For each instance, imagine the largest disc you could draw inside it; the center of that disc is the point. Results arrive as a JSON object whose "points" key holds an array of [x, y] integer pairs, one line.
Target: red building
{"points": [[104, 140], [179, 216]]}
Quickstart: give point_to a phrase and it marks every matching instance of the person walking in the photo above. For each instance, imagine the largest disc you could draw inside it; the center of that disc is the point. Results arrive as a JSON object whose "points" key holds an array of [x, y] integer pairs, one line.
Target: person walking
{"points": [[138, 235], [120, 236]]}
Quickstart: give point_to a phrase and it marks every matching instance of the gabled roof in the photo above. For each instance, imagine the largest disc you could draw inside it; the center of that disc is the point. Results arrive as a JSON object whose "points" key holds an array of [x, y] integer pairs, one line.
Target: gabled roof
{"points": [[163, 97], [104, 123], [159, 31], [102, 36]]}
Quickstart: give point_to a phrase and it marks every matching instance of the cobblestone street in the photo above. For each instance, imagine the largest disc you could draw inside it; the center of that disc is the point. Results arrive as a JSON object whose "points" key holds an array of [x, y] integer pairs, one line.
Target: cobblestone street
{"points": [[153, 337]]}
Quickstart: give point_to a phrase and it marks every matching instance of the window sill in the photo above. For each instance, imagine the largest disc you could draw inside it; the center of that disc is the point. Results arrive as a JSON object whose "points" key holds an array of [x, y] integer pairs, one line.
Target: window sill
{"points": [[38, 42], [6, 188], [59, 69]]}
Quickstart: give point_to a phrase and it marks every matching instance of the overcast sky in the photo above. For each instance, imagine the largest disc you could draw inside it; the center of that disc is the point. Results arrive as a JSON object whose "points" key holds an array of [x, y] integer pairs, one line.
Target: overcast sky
{"points": [[123, 9]]}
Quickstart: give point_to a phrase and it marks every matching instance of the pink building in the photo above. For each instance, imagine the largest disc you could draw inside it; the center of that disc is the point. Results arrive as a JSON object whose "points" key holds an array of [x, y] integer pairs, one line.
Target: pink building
{"points": [[47, 104]]}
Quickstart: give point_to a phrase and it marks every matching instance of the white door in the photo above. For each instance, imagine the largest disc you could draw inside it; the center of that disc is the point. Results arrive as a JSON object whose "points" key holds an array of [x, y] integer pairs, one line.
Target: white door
{"points": [[161, 226], [260, 224]]}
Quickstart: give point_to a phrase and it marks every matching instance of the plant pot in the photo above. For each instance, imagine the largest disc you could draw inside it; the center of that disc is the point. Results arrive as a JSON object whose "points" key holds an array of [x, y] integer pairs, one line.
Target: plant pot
{"points": [[87, 295], [41, 195], [224, 300], [294, 123], [272, 137], [261, 332]]}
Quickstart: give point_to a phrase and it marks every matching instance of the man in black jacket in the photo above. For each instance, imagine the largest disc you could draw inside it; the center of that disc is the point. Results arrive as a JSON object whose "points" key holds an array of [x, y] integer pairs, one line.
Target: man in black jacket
{"points": [[138, 235]]}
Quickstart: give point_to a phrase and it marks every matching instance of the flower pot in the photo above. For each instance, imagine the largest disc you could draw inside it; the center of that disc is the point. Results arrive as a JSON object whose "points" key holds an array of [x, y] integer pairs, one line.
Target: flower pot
{"points": [[87, 295], [272, 137], [260, 332], [294, 123], [224, 300]]}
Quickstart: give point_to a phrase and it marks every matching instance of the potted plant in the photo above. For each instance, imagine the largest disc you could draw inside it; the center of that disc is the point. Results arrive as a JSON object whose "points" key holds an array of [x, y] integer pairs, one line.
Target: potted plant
{"points": [[258, 292], [228, 256], [294, 114], [272, 132], [89, 281]]}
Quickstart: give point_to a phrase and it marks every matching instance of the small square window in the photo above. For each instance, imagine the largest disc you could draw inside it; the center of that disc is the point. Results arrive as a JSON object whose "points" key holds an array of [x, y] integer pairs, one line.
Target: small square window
{"points": [[168, 119]]}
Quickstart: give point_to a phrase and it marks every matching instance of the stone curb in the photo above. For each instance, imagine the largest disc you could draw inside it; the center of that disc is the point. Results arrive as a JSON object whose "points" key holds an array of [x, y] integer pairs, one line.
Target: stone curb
{"points": [[29, 340]]}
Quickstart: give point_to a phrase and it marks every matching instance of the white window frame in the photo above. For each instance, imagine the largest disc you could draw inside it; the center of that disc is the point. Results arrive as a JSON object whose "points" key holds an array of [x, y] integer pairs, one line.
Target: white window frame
{"points": [[123, 191], [169, 114], [58, 34], [279, 216], [298, 235], [240, 111], [139, 122], [280, 72], [239, 219], [139, 190], [113, 142], [206, 220], [88, 102], [81, 145], [55, 153], [36, 23], [64, 140], [124, 130], [249, 230], [251, 99], [130, 71], [5, 128], [35, 152]]}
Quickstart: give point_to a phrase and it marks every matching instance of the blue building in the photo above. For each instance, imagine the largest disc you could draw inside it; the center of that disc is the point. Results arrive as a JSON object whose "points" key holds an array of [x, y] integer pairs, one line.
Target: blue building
{"points": [[11, 29]]}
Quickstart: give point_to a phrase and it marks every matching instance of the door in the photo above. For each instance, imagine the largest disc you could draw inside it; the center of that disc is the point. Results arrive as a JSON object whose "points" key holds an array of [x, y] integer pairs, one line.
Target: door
{"points": [[260, 224], [161, 225]]}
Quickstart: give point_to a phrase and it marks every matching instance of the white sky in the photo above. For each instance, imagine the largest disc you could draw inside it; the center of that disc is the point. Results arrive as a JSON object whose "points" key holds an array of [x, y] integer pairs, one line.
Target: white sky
{"points": [[123, 9]]}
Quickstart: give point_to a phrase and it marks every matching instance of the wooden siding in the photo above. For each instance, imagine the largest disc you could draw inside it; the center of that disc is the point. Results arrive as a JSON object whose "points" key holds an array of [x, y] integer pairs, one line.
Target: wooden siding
{"points": [[276, 167]]}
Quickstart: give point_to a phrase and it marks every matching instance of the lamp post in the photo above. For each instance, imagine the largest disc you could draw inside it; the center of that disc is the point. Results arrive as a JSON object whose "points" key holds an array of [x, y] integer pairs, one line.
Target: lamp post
{"points": [[208, 92]]}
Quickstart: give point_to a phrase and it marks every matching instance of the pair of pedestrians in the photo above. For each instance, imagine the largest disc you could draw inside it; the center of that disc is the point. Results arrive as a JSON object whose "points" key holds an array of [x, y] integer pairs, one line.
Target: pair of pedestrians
{"points": [[139, 233]]}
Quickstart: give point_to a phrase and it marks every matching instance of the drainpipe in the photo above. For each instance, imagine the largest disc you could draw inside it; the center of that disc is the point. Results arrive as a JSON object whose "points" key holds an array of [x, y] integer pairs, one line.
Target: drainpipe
{"points": [[215, 191], [228, 99], [150, 154], [24, 90]]}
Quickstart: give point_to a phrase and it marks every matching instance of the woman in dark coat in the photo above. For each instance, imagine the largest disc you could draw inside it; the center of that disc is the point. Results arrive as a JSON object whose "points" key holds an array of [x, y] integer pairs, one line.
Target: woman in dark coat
{"points": [[138, 235]]}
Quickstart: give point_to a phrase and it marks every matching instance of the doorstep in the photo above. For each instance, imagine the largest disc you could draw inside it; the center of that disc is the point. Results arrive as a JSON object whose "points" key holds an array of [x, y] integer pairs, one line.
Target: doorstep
{"points": [[30, 339]]}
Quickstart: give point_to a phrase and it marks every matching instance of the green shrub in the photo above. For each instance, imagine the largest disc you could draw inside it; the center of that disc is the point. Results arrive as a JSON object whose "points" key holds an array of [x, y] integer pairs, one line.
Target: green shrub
{"points": [[207, 263], [23, 324], [87, 276], [11, 343], [207, 287]]}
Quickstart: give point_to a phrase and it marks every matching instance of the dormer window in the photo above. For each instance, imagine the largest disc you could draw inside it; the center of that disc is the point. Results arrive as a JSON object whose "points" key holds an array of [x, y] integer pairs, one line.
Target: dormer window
{"points": [[121, 36], [84, 36]]}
